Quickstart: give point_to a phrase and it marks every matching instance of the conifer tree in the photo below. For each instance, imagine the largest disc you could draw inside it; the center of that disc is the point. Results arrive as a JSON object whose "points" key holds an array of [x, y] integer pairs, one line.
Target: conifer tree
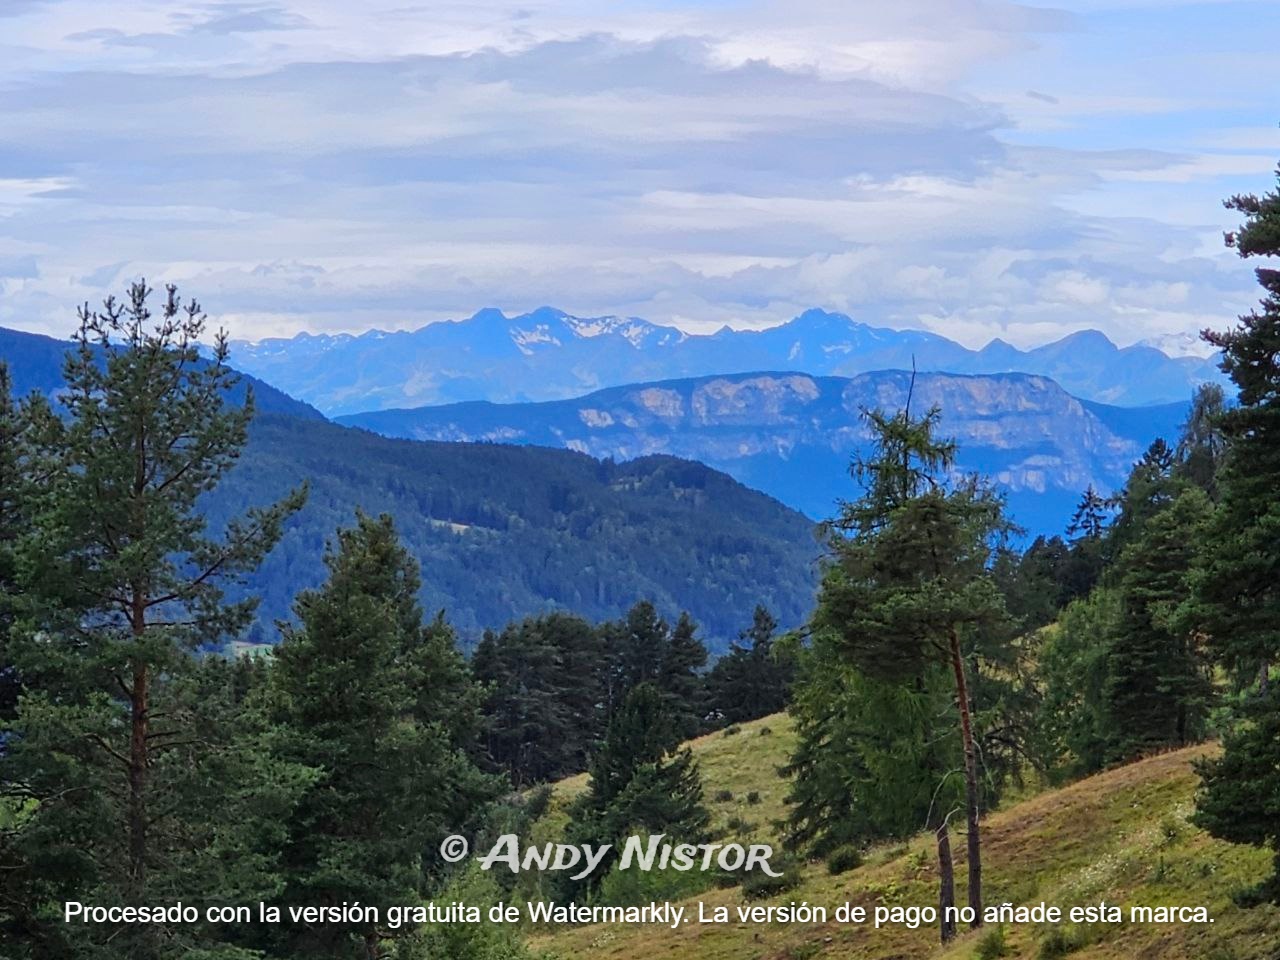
{"points": [[753, 679], [1201, 444], [908, 586], [1236, 596], [391, 777], [543, 683], [1157, 689], [113, 751], [641, 781], [681, 680]]}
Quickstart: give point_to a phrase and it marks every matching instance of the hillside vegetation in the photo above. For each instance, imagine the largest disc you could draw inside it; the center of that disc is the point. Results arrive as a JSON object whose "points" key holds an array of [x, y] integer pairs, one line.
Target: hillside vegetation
{"points": [[1121, 836], [505, 532]]}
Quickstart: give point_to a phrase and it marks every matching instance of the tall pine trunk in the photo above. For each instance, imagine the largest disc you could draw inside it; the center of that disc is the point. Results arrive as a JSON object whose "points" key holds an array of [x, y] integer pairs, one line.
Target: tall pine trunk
{"points": [[139, 697], [946, 883], [970, 783]]}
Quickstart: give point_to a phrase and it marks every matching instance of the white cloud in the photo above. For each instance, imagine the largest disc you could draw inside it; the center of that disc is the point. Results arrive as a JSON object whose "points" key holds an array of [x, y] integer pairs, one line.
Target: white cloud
{"points": [[315, 164]]}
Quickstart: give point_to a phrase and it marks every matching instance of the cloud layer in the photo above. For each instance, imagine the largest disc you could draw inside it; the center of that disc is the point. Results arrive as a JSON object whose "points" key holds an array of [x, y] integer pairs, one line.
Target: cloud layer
{"points": [[981, 169]]}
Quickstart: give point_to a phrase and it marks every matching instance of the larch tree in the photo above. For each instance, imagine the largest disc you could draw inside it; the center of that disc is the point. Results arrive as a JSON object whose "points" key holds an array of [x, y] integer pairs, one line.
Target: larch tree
{"points": [[907, 586]]}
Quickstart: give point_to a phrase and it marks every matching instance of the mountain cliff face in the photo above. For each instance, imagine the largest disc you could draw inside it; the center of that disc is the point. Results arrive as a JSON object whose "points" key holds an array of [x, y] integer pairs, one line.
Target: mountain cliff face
{"points": [[548, 355], [793, 435]]}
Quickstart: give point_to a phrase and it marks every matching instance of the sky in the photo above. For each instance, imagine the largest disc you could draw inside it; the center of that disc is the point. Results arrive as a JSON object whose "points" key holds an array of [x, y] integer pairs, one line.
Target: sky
{"points": [[979, 169]]}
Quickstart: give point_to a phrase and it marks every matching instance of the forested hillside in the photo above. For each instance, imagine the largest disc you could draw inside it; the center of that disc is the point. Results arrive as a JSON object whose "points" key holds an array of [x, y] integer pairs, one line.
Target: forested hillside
{"points": [[503, 532]]}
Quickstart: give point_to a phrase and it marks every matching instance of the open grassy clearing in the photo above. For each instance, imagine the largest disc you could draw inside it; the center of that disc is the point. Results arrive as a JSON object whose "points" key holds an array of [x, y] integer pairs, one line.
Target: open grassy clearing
{"points": [[1120, 837]]}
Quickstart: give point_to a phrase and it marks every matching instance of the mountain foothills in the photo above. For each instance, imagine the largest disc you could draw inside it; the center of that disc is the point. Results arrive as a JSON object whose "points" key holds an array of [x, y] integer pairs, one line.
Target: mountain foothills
{"points": [[504, 531], [549, 355], [793, 436]]}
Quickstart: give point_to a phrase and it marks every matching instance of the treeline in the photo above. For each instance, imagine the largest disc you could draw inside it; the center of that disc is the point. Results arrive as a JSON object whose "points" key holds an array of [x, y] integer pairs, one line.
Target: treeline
{"points": [[942, 665], [138, 769], [553, 683]]}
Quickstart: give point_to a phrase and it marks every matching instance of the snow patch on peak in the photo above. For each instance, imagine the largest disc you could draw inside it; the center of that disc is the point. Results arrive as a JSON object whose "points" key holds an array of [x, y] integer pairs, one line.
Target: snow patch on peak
{"points": [[526, 340], [1180, 345]]}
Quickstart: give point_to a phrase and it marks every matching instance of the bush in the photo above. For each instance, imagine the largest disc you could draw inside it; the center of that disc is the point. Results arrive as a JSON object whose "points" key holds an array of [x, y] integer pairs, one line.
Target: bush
{"points": [[732, 730], [630, 888], [991, 945], [758, 885], [844, 859], [753, 798], [765, 732], [722, 796], [740, 826], [1062, 941]]}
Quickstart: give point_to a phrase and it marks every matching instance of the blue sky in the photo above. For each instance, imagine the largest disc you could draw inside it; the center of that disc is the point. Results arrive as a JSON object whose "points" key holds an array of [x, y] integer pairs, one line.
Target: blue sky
{"points": [[976, 168]]}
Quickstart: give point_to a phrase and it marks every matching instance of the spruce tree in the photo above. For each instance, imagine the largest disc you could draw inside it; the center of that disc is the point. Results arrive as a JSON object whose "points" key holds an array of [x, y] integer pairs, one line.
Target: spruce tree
{"points": [[391, 777], [680, 678], [754, 678], [1157, 689], [1236, 596], [641, 780]]}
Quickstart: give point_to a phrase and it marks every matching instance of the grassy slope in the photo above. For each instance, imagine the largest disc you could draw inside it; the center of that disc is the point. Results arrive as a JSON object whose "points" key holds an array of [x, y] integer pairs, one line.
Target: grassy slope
{"points": [[1121, 836]]}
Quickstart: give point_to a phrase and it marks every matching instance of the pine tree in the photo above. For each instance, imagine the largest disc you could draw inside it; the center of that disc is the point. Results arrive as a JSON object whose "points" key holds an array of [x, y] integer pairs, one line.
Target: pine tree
{"points": [[1236, 596], [544, 685], [908, 585], [391, 778], [1201, 444], [12, 483], [111, 752]]}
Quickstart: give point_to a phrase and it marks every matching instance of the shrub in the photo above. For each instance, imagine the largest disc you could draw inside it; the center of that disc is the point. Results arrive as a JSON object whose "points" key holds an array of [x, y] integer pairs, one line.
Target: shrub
{"points": [[722, 796], [844, 859], [991, 945], [753, 798], [740, 826], [758, 885], [732, 730]]}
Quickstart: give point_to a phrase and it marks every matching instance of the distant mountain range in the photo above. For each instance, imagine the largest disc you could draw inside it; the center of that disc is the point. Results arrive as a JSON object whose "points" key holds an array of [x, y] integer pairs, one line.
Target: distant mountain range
{"points": [[793, 436], [549, 355]]}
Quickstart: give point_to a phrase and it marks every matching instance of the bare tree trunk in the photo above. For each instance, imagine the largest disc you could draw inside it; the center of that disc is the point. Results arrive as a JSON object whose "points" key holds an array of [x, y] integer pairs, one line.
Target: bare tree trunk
{"points": [[946, 883], [970, 783], [138, 779]]}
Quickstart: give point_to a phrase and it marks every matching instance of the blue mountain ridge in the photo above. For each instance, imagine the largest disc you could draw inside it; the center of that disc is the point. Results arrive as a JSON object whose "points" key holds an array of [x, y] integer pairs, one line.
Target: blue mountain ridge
{"points": [[793, 436], [548, 354]]}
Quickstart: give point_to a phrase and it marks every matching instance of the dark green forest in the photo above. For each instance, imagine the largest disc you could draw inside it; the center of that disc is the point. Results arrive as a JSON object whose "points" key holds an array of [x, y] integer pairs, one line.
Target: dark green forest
{"points": [[939, 668], [502, 532]]}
